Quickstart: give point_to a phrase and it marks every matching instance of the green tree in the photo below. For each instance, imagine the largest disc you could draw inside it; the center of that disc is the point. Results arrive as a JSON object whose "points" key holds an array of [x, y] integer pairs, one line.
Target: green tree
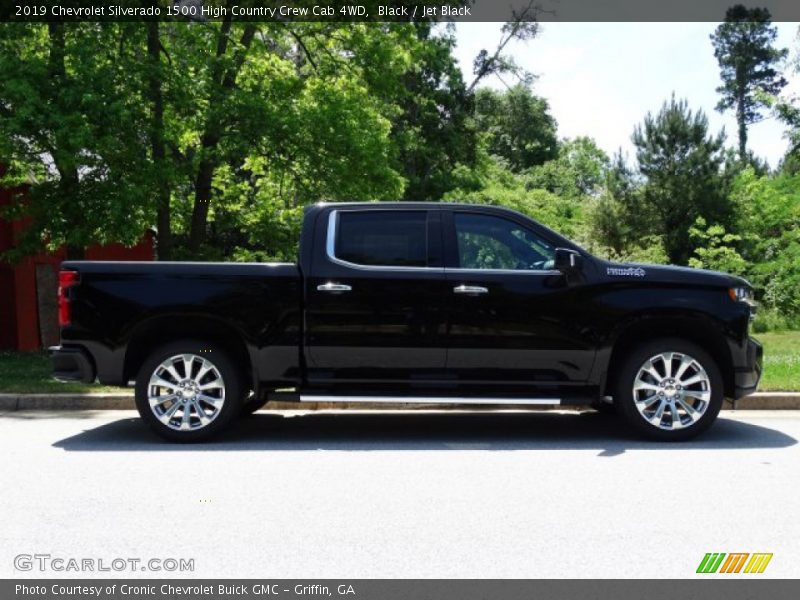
{"points": [[619, 218], [521, 130], [715, 248], [555, 193], [579, 169], [787, 110], [501, 187], [433, 131], [768, 209], [523, 27], [683, 169], [744, 48], [157, 135], [70, 120], [205, 129], [310, 121]]}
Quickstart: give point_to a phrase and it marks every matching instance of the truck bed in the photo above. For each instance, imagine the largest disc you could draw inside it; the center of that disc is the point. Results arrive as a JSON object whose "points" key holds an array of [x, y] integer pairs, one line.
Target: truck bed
{"points": [[120, 305]]}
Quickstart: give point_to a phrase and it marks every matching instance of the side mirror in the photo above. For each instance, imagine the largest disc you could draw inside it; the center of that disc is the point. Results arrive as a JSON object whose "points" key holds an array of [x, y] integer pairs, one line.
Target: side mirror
{"points": [[568, 261]]}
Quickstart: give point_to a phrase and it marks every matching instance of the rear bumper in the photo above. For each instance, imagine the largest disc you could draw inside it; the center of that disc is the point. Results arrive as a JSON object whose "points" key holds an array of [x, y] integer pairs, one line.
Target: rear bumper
{"points": [[747, 369], [71, 364]]}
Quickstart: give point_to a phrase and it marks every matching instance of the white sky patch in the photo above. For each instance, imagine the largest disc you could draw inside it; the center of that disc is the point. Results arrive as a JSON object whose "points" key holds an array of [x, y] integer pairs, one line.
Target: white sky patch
{"points": [[602, 78]]}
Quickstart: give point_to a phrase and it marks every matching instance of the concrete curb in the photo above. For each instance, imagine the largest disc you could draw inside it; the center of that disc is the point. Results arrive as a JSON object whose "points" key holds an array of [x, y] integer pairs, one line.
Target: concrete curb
{"points": [[107, 401], [124, 401], [769, 401]]}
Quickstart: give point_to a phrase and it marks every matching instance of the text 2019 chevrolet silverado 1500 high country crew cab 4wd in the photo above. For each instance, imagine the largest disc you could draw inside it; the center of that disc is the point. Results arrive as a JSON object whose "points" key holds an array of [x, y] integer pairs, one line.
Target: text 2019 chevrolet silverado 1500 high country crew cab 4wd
{"points": [[420, 303]]}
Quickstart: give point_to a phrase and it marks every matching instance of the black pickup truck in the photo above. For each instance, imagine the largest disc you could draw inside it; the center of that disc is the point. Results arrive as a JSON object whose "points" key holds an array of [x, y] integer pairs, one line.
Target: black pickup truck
{"points": [[418, 303]]}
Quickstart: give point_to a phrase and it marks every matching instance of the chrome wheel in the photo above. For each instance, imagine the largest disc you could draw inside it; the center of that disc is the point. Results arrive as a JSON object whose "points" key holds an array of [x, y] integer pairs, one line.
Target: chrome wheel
{"points": [[186, 392], [671, 390]]}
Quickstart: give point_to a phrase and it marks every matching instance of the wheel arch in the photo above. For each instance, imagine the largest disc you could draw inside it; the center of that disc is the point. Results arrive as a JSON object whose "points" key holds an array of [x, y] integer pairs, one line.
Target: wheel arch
{"points": [[698, 330], [163, 329]]}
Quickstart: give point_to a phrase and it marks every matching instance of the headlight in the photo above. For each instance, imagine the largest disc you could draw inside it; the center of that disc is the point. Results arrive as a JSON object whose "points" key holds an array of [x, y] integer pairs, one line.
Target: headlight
{"points": [[744, 294]]}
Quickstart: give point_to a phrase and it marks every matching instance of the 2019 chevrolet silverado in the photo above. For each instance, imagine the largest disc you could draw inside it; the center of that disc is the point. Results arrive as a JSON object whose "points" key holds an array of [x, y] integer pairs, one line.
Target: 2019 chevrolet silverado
{"points": [[412, 302]]}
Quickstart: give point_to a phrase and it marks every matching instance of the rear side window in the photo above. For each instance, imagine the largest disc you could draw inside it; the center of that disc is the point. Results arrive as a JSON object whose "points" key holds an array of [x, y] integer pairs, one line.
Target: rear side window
{"points": [[382, 238]]}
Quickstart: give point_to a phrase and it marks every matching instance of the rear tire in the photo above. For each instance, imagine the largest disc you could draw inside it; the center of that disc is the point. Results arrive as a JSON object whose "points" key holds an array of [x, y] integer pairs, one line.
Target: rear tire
{"points": [[669, 390], [187, 391]]}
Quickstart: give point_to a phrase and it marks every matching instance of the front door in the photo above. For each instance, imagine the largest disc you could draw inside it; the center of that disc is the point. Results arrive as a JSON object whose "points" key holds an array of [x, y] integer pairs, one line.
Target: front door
{"points": [[512, 317], [375, 298]]}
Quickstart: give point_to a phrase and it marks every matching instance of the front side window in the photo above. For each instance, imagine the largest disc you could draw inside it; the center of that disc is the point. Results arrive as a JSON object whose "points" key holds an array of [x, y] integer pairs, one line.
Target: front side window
{"points": [[382, 238], [489, 242]]}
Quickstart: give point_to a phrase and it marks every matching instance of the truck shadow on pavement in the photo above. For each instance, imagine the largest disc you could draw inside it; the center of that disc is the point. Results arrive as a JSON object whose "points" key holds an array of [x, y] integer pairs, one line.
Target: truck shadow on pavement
{"points": [[364, 431]]}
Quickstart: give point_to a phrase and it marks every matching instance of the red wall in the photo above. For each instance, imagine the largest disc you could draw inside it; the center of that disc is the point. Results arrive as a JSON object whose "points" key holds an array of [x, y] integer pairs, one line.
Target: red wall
{"points": [[19, 319]]}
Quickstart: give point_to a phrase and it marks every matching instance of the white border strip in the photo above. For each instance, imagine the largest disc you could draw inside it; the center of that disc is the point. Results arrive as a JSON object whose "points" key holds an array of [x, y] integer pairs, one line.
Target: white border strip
{"points": [[431, 400]]}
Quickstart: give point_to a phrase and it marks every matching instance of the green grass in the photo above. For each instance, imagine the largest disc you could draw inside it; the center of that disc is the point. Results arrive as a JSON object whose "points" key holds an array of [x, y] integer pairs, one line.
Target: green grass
{"points": [[29, 372], [781, 361]]}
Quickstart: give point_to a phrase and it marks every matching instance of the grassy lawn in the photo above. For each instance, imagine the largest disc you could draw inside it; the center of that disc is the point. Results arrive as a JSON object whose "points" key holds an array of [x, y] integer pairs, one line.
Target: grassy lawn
{"points": [[30, 372], [781, 361]]}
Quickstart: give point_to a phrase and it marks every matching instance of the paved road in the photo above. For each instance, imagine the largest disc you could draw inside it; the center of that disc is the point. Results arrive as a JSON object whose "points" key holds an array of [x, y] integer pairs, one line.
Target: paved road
{"points": [[403, 495]]}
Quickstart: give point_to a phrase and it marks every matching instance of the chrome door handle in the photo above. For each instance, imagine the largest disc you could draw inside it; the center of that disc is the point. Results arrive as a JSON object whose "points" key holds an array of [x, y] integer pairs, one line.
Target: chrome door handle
{"points": [[470, 290], [333, 287]]}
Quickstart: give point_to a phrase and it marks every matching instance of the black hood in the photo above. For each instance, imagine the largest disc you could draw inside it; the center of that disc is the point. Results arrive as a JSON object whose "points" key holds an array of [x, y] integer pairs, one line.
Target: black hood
{"points": [[670, 274]]}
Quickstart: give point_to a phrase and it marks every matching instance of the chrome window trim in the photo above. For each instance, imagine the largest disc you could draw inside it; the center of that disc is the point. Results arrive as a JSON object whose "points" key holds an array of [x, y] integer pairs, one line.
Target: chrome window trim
{"points": [[333, 221]]}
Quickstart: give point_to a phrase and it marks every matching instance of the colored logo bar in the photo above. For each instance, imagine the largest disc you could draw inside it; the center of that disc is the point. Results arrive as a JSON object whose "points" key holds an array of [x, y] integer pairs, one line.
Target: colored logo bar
{"points": [[734, 562]]}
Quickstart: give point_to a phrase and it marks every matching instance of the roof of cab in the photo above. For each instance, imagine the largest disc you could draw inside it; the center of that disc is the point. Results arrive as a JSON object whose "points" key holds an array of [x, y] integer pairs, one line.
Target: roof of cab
{"points": [[395, 205]]}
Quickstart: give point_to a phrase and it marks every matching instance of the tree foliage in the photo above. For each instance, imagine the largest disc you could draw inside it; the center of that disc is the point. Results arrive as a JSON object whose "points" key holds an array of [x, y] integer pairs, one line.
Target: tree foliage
{"points": [[521, 130], [788, 111], [577, 170], [744, 48], [769, 224], [70, 126], [434, 131], [523, 27], [218, 133], [205, 123], [715, 248], [683, 169], [619, 215], [557, 192]]}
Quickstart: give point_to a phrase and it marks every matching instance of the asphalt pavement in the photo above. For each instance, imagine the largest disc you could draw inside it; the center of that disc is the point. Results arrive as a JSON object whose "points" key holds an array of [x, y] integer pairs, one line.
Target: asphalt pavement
{"points": [[414, 494]]}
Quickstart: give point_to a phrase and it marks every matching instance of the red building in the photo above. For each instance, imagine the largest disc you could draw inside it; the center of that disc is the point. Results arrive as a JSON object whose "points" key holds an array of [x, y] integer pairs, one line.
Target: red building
{"points": [[28, 306]]}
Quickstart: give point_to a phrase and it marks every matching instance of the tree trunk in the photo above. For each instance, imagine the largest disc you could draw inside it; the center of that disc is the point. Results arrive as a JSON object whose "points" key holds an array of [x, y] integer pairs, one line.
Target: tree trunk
{"points": [[202, 199], [742, 123], [225, 81], [740, 118], [62, 152], [163, 216]]}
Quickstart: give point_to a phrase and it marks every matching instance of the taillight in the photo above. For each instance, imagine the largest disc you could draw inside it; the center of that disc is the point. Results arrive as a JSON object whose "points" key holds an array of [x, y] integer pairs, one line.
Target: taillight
{"points": [[66, 279]]}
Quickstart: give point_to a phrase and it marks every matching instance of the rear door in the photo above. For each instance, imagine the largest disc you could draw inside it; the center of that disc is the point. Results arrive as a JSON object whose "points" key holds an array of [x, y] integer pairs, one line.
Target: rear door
{"points": [[374, 297], [513, 318]]}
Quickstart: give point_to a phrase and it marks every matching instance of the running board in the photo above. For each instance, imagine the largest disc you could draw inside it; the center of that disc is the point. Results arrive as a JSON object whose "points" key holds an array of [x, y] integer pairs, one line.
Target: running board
{"points": [[432, 400]]}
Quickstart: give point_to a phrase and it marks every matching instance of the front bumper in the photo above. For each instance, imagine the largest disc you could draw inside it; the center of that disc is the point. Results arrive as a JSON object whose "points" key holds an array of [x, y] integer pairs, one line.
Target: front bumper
{"points": [[71, 364], [747, 370]]}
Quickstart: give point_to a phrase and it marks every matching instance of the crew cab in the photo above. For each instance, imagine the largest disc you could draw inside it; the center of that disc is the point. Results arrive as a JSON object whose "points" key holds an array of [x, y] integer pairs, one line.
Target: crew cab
{"points": [[423, 303]]}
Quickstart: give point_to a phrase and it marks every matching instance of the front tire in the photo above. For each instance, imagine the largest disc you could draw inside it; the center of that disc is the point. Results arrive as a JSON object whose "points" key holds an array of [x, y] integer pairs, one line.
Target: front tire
{"points": [[669, 390], [252, 405], [187, 391], [604, 408]]}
